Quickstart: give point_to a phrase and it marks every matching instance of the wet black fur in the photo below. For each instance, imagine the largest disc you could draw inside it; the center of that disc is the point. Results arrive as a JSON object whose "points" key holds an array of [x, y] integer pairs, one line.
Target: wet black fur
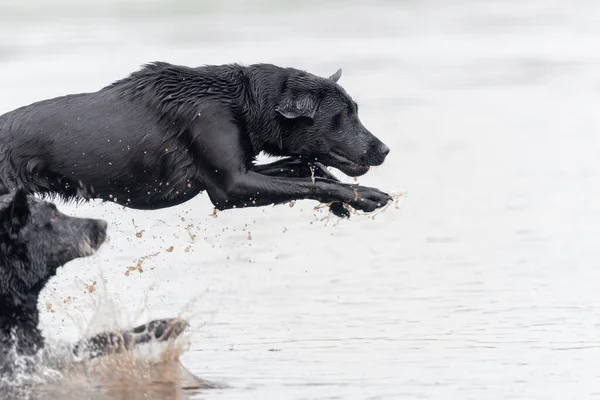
{"points": [[165, 133], [35, 239]]}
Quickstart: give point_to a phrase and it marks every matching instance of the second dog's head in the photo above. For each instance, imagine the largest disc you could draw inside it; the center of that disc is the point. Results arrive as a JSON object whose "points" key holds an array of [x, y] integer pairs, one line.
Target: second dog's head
{"points": [[320, 122], [36, 239]]}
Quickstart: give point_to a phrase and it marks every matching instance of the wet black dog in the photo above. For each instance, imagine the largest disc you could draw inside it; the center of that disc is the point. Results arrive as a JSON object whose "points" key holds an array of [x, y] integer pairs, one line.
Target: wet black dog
{"points": [[160, 136], [35, 240]]}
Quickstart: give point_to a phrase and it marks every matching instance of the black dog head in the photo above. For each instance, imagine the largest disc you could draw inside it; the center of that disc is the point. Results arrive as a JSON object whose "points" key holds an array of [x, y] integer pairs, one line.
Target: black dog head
{"points": [[36, 239], [320, 122]]}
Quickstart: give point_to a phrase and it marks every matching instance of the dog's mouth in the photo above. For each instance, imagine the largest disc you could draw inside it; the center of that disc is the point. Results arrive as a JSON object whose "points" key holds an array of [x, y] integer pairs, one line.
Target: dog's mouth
{"points": [[85, 249], [344, 164]]}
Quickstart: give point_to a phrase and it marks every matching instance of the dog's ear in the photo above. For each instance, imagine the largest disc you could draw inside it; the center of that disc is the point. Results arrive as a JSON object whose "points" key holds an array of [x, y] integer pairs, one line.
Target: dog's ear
{"points": [[15, 214], [295, 106], [336, 77]]}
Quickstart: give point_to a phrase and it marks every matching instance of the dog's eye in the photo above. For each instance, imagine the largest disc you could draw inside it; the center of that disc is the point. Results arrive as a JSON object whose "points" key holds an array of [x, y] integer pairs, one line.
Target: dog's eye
{"points": [[53, 218]]}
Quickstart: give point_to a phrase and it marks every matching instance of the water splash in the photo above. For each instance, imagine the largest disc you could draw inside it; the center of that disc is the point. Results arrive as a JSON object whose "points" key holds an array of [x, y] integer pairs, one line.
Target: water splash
{"points": [[153, 367]]}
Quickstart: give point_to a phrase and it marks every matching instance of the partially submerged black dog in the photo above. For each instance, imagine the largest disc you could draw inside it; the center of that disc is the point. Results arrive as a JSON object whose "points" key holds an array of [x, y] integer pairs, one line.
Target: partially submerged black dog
{"points": [[160, 136], [35, 240]]}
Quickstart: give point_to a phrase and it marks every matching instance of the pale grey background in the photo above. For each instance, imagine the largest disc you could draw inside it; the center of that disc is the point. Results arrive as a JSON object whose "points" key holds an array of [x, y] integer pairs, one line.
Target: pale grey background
{"points": [[483, 284]]}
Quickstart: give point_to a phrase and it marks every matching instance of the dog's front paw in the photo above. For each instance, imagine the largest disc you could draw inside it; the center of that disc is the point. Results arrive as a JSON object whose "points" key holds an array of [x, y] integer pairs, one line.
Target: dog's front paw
{"points": [[369, 199], [162, 329], [105, 343]]}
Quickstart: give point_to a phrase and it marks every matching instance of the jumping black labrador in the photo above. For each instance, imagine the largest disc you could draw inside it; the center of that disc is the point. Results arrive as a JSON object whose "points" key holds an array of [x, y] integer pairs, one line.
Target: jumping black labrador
{"points": [[165, 133]]}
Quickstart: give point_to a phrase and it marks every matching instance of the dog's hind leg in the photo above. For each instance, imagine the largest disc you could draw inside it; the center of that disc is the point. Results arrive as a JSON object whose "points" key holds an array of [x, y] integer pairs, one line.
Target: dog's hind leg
{"points": [[116, 342]]}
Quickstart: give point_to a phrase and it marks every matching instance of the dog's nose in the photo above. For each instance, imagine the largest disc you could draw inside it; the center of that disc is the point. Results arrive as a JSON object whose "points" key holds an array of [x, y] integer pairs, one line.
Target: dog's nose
{"points": [[384, 150], [102, 224], [98, 233], [376, 154]]}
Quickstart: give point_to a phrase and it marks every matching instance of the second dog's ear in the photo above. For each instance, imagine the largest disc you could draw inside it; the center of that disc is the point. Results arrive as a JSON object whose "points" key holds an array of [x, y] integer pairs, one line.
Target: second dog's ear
{"points": [[15, 214], [297, 105]]}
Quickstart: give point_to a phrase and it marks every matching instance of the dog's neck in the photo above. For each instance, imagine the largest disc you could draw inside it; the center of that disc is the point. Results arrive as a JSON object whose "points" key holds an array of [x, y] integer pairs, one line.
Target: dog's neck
{"points": [[19, 315], [265, 82], [19, 326], [20, 338]]}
